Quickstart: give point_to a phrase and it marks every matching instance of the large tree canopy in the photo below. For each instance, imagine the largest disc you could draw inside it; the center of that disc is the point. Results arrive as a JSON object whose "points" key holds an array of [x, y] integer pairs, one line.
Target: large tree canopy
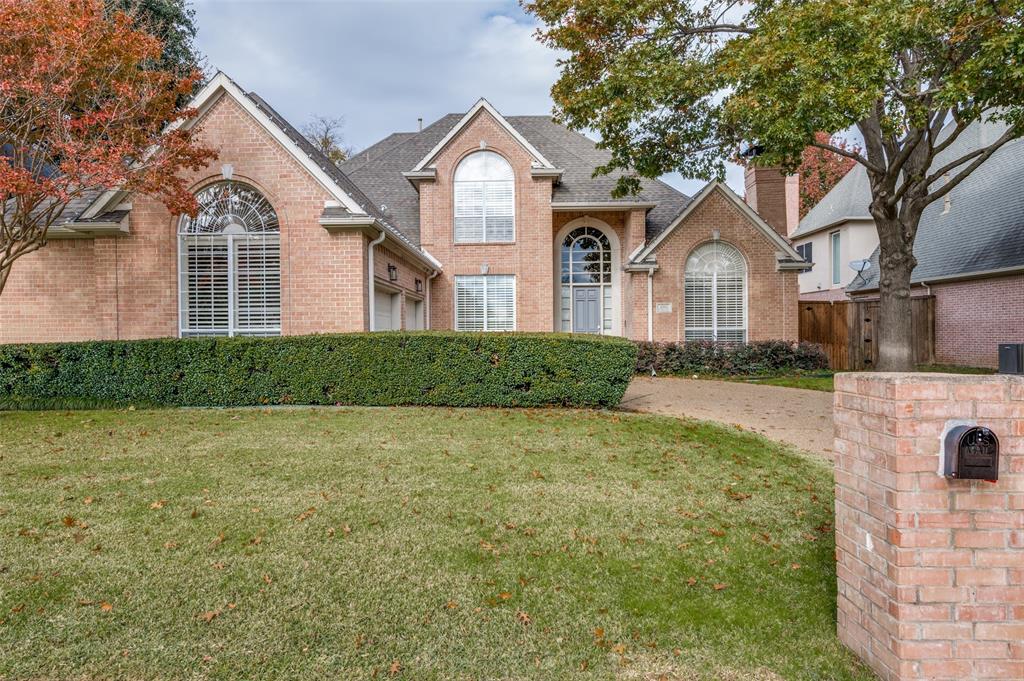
{"points": [[173, 22], [83, 110], [673, 85]]}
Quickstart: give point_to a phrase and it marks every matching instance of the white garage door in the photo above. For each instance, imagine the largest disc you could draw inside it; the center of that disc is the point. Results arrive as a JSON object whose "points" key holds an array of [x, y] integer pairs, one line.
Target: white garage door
{"points": [[384, 317]]}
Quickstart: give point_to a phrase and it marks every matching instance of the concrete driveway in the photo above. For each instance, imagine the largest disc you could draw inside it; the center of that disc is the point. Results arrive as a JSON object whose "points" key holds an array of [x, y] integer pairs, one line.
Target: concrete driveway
{"points": [[801, 418]]}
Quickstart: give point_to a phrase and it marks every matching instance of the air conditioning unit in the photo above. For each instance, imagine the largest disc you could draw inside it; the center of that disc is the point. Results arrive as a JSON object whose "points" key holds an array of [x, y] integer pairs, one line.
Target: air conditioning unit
{"points": [[1011, 358]]}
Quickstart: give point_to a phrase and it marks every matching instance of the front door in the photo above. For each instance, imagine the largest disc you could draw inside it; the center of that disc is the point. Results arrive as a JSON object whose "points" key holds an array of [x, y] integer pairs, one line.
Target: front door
{"points": [[586, 309]]}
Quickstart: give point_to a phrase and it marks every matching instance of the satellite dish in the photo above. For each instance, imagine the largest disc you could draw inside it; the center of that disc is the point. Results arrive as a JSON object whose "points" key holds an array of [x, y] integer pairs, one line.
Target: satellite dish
{"points": [[860, 266]]}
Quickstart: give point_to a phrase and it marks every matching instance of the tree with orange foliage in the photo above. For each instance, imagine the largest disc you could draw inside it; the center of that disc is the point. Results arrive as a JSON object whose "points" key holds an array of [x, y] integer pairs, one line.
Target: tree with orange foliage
{"points": [[82, 108], [820, 169]]}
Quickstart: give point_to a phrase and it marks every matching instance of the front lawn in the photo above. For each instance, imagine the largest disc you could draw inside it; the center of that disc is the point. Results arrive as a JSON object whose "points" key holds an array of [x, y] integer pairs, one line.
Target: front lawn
{"points": [[410, 543]]}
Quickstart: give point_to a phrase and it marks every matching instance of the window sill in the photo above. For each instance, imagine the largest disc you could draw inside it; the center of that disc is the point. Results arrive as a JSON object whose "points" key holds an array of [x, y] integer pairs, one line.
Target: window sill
{"points": [[483, 243]]}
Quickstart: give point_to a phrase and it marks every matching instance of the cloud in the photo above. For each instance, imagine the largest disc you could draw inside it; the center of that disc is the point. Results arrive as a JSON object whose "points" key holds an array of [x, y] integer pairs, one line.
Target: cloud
{"points": [[382, 63]]}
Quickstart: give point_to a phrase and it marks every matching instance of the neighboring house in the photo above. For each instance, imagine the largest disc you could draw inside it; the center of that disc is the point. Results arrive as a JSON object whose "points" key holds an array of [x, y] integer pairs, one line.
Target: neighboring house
{"points": [[836, 232], [479, 222], [969, 250]]}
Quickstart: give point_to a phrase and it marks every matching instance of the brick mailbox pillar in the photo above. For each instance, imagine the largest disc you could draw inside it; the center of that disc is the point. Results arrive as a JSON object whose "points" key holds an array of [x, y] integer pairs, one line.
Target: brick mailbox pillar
{"points": [[930, 569]]}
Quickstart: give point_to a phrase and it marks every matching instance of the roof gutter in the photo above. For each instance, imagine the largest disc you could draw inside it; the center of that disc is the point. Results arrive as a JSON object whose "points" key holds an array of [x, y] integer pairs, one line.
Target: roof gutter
{"points": [[949, 278]]}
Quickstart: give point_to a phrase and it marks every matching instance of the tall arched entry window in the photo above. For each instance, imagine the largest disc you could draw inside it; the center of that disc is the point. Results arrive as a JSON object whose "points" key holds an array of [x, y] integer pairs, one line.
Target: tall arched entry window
{"points": [[586, 271], [716, 294], [229, 265], [484, 199]]}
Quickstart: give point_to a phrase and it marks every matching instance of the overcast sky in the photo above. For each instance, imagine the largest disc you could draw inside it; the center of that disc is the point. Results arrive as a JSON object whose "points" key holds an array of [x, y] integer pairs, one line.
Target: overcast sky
{"points": [[381, 64]]}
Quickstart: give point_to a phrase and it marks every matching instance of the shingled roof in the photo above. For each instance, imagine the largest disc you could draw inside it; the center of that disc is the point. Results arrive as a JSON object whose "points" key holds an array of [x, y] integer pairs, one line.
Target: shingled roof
{"points": [[982, 232], [378, 170]]}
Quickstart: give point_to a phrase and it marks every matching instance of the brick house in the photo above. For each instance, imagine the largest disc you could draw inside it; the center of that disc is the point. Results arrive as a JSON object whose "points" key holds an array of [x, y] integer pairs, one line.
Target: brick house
{"points": [[476, 222], [969, 250]]}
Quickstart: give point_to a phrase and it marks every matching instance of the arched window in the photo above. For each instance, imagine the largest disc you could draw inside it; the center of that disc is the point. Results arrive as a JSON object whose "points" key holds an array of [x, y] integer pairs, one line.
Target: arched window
{"points": [[229, 265], [586, 281], [484, 199], [716, 294]]}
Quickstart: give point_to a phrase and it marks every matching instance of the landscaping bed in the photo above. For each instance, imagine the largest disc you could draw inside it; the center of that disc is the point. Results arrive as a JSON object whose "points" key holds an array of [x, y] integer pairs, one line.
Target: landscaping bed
{"points": [[366, 543]]}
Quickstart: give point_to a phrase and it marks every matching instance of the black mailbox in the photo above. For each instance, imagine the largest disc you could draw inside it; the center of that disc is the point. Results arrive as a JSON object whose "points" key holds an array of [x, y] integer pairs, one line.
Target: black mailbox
{"points": [[972, 453]]}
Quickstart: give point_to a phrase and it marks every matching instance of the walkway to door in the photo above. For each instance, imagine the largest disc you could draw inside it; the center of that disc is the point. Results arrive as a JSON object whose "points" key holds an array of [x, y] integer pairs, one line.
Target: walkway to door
{"points": [[801, 418]]}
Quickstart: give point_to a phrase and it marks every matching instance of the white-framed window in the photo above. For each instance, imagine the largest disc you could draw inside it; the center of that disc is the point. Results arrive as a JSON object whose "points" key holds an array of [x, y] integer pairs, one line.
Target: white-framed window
{"points": [[485, 303], [484, 199], [229, 265], [837, 272], [715, 303]]}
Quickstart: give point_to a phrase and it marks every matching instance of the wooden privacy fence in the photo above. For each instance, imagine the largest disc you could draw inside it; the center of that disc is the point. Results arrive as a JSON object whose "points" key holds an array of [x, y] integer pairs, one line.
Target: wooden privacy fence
{"points": [[847, 331]]}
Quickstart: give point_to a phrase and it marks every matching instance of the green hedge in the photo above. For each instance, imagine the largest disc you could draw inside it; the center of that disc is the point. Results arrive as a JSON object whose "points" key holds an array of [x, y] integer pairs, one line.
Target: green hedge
{"points": [[746, 359], [417, 368]]}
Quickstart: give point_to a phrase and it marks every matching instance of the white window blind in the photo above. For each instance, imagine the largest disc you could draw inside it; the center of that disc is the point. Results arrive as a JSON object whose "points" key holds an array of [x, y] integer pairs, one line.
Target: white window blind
{"points": [[484, 199], [485, 303], [715, 295], [229, 273]]}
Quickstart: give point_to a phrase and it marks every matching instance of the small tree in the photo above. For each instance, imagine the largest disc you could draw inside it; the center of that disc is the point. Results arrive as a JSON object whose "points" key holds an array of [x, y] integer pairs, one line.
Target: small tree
{"points": [[325, 134], [80, 113], [677, 85], [820, 170]]}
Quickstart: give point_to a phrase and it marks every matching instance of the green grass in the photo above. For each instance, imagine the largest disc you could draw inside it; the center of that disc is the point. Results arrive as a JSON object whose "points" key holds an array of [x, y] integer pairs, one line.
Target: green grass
{"points": [[953, 369], [454, 544], [823, 382]]}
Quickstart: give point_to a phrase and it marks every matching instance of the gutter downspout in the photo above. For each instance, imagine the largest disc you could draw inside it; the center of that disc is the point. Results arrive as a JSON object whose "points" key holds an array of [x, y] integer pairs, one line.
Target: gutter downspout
{"points": [[650, 304], [426, 313], [371, 292]]}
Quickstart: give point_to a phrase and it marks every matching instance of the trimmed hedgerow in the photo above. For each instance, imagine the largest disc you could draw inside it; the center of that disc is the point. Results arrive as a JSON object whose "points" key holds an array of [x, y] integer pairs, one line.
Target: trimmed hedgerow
{"points": [[706, 357], [411, 368]]}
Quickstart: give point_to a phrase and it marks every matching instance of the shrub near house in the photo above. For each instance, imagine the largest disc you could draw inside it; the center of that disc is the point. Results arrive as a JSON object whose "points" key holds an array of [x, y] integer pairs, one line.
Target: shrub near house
{"points": [[439, 369], [748, 359]]}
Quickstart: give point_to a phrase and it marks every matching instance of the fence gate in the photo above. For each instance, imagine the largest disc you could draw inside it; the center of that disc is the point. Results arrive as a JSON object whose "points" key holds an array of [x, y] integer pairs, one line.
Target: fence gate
{"points": [[847, 331]]}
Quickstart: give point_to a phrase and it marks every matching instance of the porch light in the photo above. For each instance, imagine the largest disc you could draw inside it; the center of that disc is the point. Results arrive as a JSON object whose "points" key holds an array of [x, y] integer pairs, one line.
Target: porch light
{"points": [[392, 272], [419, 286]]}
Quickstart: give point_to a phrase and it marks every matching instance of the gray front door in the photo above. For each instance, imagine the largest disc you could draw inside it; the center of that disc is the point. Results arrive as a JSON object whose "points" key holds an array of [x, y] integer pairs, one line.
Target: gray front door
{"points": [[586, 309]]}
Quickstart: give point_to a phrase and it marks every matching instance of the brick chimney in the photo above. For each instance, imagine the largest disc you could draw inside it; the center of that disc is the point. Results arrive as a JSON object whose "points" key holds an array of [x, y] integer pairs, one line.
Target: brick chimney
{"points": [[774, 196]]}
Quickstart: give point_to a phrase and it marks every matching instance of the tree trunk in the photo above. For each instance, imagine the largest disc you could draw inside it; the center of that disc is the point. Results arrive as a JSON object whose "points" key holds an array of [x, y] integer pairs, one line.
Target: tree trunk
{"points": [[894, 327]]}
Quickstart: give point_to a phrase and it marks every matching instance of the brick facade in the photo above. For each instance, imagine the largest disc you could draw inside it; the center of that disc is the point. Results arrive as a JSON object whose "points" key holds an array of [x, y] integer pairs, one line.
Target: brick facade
{"points": [[772, 311], [930, 570], [126, 286], [973, 317]]}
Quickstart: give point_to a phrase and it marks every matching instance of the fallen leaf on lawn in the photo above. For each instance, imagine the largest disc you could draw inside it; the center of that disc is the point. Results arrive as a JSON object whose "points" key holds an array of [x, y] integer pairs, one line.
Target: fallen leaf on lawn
{"points": [[106, 607], [306, 514], [598, 633], [719, 586], [209, 615], [346, 530], [619, 649], [267, 579], [395, 669], [451, 605], [18, 608], [218, 566], [158, 504], [194, 514], [504, 595], [171, 545], [69, 521], [87, 500], [691, 581], [715, 532], [523, 617], [795, 566]]}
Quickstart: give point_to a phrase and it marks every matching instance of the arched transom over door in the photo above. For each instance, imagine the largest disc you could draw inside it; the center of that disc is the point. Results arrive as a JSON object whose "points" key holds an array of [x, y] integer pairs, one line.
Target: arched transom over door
{"points": [[715, 294], [587, 282], [229, 264]]}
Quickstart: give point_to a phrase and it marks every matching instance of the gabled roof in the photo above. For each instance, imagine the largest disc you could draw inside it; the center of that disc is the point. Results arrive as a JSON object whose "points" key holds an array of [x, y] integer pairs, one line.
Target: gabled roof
{"points": [[482, 105], [789, 255], [847, 201], [982, 234], [378, 171], [353, 203]]}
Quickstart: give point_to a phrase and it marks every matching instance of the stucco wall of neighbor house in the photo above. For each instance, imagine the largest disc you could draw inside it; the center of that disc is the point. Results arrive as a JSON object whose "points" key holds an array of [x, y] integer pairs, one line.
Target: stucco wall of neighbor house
{"points": [[126, 286], [771, 295], [973, 317], [858, 239], [528, 258]]}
